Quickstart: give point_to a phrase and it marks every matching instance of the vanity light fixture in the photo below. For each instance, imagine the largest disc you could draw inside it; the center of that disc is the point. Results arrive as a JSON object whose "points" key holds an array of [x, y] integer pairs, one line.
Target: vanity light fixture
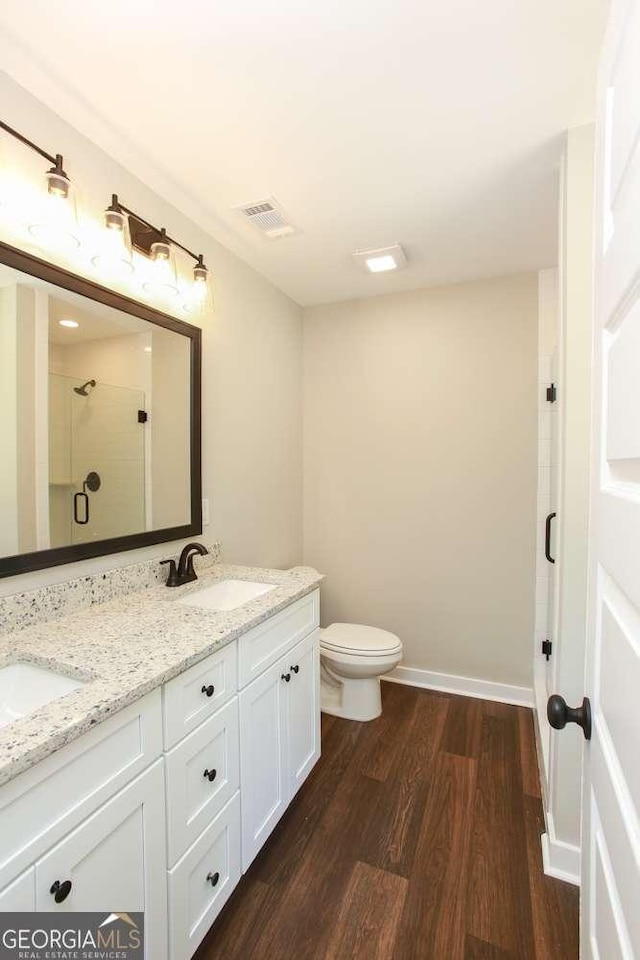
{"points": [[55, 224]]}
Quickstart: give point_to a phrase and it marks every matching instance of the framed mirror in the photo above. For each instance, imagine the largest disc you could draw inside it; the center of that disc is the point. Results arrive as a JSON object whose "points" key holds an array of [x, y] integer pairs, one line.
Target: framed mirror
{"points": [[100, 438]]}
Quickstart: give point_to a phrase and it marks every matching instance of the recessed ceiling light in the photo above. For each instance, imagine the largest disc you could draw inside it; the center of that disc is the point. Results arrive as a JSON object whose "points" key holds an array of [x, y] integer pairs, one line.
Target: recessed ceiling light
{"points": [[382, 259], [380, 264], [68, 323]]}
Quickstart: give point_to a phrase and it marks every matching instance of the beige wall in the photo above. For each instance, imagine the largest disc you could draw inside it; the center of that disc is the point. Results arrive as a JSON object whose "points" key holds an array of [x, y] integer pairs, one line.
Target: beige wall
{"points": [[252, 427], [420, 469]]}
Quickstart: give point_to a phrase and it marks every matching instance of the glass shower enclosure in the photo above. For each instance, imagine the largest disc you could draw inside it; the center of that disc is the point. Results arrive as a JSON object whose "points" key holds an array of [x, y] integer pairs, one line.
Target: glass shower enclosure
{"points": [[96, 460]]}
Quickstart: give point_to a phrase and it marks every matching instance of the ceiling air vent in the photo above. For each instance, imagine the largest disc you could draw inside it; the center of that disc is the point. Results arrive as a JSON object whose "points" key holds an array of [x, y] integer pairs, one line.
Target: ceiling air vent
{"points": [[268, 217]]}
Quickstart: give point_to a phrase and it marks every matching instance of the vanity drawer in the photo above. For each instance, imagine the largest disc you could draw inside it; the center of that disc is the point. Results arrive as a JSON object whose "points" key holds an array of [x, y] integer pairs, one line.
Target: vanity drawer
{"points": [[267, 642], [198, 692], [43, 804], [195, 900], [203, 773]]}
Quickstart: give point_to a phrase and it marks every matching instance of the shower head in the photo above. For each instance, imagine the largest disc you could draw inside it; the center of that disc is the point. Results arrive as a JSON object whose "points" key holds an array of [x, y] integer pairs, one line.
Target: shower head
{"points": [[83, 391]]}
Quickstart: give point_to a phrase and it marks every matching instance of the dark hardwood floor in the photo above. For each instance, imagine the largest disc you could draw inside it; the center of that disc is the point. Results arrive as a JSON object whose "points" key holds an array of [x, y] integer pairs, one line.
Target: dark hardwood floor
{"points": [[416, 836]]}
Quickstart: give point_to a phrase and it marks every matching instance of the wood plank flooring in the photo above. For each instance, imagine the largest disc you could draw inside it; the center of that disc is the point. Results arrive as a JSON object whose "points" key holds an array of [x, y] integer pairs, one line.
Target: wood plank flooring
{"points": [[416, 837]]}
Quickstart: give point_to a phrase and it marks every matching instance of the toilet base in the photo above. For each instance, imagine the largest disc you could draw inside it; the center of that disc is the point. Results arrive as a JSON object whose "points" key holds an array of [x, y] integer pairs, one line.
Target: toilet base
{"points": [[350, 699]]}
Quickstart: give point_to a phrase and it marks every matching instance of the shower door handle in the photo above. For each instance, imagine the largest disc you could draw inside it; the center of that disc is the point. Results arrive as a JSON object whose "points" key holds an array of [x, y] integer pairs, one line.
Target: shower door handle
{"points": [[547, 538], [77, 497]]}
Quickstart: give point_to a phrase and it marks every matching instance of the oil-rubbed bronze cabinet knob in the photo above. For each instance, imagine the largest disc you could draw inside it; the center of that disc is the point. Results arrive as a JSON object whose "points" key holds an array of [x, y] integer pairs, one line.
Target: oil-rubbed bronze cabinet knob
{"points": [[60, 891], [213, 878], [210, 775], [208, 691]]}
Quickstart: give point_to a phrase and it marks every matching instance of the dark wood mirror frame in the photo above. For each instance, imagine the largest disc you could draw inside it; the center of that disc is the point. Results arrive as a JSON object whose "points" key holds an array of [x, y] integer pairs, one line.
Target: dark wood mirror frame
{"points": [[40, 559]]}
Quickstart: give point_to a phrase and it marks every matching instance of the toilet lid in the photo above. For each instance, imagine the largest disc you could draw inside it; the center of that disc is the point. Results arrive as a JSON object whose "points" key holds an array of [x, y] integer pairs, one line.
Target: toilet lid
{"points": [[356, 638]]}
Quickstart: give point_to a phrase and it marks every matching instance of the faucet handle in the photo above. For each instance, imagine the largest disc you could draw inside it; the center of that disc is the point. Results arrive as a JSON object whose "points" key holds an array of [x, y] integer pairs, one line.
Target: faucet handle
{"points": [[172, 579]]}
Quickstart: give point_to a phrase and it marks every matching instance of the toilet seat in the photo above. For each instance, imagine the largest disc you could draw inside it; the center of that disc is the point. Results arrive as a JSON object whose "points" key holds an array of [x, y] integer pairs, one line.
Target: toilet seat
{"points": [[356, 639]]}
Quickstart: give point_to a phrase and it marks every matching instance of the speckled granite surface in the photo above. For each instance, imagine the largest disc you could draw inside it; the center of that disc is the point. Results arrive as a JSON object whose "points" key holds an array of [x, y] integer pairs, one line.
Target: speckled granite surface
{"points": [[125, 647], [20, 610]]}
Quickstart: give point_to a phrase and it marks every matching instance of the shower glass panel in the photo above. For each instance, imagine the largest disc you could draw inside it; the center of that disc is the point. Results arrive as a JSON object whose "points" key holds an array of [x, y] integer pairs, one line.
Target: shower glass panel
{"points": [[96, 459]]}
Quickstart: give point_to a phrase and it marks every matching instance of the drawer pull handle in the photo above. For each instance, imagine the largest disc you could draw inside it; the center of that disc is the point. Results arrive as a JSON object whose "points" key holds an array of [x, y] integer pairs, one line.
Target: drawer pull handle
{"points": [[210, 775], [295, 669], [61, 891], [286, 677], [213, 878], [208, 691]]}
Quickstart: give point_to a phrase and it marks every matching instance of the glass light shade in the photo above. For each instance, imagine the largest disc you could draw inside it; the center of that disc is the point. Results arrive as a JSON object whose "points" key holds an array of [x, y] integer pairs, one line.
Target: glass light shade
{"points": [[196, 297], [162, 278], [55, 224], [58, 183], [114, 256]]}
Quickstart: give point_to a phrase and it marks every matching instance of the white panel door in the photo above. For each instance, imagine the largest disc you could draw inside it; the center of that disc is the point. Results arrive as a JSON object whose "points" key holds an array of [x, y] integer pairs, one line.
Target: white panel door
{"points": [[611, 808], [115, 861], [303, 710]]}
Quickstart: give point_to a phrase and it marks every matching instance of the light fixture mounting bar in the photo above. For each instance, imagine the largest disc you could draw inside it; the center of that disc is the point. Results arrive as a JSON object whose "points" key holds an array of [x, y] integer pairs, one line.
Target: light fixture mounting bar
{"points": [[156, 233], [52, 158]]}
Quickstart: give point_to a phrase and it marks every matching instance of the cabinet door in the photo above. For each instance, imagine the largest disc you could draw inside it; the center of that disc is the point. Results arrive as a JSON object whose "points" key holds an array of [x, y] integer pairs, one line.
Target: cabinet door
{"points": [[303, 710], [263, 775], [116, 861], [19, 896]]}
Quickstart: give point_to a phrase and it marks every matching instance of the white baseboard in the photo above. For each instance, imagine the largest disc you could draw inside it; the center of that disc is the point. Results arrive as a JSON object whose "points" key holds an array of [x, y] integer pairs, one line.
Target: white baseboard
{"points": [[464, 686], [560, 860]]}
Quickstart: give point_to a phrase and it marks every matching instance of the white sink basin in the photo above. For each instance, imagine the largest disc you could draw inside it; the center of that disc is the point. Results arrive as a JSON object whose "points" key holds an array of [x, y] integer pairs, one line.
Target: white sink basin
{"points": [[25, 687], [226, 594]]}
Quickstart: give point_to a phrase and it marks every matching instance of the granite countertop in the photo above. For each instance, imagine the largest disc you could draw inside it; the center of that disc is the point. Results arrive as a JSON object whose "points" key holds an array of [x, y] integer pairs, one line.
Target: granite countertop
{"points": [[126, 647]]}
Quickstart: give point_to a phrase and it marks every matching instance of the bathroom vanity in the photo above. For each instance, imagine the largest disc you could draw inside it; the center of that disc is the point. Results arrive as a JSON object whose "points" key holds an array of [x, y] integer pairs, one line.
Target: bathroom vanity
{"points": [[154, 784]]}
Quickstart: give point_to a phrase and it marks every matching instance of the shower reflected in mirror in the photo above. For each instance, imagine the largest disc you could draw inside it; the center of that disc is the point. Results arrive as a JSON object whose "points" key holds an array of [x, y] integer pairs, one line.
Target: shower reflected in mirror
{"points": [[83, 391]]}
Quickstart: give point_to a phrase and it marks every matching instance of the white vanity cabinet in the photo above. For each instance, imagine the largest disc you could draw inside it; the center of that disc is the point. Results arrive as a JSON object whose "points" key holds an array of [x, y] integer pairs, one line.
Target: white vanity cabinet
{"points": [[279, 719], [160, 807]]}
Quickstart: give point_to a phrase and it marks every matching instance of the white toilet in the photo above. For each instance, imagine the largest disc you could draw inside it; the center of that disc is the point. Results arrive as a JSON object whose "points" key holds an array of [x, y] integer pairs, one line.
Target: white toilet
{"points": [[352, 660]]}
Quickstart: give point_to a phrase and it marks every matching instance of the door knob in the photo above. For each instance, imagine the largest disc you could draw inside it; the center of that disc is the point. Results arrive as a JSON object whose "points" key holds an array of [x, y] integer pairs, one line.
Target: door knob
{"points": [[559, 714]]}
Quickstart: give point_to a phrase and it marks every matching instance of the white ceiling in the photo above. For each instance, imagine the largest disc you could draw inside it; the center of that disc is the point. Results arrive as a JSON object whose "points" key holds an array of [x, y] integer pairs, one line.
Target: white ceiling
{"points": [[435, 124]]}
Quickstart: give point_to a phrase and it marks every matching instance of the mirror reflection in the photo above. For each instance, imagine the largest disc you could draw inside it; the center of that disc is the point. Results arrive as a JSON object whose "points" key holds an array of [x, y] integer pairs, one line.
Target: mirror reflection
{"points": [[94, 420]]}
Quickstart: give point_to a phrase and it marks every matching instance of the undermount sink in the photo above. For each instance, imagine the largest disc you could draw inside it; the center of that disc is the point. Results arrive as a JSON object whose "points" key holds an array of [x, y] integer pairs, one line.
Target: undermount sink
{"points": [[25, 687], [226, 594]]}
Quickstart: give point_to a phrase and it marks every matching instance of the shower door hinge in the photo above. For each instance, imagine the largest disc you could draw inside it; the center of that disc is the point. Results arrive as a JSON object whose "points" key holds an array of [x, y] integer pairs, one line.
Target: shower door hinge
{"points": [[142, 416], [551, 393], [547, 647]]}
